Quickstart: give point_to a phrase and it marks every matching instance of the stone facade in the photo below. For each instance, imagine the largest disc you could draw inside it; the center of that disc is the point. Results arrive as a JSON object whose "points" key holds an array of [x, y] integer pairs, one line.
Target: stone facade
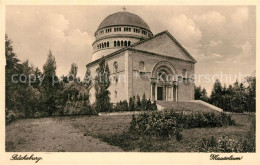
{"points": [[157, 66]]}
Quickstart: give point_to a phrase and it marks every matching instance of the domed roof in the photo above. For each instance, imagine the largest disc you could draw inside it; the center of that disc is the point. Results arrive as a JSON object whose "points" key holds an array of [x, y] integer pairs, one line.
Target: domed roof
{"points": [[123, 18]]}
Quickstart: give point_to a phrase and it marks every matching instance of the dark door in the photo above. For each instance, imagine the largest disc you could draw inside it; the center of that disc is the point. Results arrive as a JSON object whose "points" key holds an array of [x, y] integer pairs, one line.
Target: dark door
{"points": [[159, 93]]}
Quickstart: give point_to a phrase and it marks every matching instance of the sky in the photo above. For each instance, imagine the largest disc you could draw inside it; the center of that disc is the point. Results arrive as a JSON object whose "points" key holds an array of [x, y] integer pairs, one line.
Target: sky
{"points": [[221, 38]]}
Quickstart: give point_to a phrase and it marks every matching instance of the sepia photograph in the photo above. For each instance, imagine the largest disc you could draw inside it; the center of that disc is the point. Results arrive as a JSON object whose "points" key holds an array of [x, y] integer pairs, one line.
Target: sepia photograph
{"points": [[130, 78]]}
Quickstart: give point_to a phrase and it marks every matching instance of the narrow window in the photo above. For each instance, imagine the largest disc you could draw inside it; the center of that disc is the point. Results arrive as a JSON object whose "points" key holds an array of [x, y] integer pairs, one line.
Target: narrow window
{"points": [[141, 66], [107, 44], [115, 67], [114, 43], [122, 43], [118, 43], [129, 43], [125, 43], [102, 45]]}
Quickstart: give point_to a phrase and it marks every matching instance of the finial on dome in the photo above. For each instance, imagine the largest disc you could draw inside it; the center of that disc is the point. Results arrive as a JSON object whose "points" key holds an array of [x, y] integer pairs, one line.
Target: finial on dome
{"points": [[124, 8]]}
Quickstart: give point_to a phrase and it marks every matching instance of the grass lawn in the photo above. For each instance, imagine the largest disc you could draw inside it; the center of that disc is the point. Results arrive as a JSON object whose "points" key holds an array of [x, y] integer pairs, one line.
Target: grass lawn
{"points": [[114, 131]]}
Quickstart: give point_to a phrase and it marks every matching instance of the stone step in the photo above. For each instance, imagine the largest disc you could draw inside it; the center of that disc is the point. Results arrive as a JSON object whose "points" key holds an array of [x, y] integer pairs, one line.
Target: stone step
{"points": [[190, 106]]}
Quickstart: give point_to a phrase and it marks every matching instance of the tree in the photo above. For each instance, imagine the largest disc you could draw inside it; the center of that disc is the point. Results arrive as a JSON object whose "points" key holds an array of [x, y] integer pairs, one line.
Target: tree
{"points": [[38, 74], [144, 103], [73, 72], [50, 84], [149, 105], [197, 92], [11, 69], [88, 79], [251, 93], [138, 103], [238, 97], [131, 104], [102, 83], [21, 99], [216, 94], [201, 94]]}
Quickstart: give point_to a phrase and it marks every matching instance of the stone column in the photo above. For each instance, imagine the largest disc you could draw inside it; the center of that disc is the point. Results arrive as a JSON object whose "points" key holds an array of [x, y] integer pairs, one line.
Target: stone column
{"points": [[151, 98], [176, 93], [155, 88], [166, 93]]}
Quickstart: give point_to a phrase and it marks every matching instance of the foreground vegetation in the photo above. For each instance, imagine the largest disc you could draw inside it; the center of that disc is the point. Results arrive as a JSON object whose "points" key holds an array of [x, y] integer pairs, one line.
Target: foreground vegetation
{"points": [[115, 131]]}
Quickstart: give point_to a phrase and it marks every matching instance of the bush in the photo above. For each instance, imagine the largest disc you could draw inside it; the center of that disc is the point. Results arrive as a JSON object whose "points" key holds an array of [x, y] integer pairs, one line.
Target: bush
{"points": [[169, 123], [131, 104], [9, 116], [225, 144], [155, 124], [202, 120], [76, 108], [135, 105], [121, 106]]}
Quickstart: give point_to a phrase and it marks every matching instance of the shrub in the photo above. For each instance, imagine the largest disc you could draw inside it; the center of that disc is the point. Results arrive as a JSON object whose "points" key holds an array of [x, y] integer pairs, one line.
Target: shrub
{"points": [[9, 116], [201, 120], [138, 103], [135, 105], [155, 124], [169, 123], [131, 104], [121, 106], [154, 106], [143, 103], [225, 144]]}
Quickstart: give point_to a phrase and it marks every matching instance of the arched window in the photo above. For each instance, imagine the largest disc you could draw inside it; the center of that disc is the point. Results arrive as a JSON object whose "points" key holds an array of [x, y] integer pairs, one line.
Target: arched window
{"points": [[118, 43], [129, 42], [114, 43], [122, 43], [102, 45], [115, 94], [125, 43], [115, 67], [141, 66], [107, 44]]}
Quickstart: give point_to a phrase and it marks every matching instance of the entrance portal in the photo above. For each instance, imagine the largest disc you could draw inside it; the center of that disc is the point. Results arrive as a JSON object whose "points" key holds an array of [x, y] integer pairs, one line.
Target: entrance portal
{"points": [[159, 93], [164, 84]]}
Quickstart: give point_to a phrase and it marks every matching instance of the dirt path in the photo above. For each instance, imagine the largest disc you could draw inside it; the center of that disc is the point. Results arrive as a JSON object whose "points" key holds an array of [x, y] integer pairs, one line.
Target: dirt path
{"points": [[51, 135]]}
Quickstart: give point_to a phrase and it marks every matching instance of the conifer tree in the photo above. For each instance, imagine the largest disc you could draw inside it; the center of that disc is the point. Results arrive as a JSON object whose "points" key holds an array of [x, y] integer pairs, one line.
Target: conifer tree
{"points": [[143, 103], [50, 84], [102, 83]]}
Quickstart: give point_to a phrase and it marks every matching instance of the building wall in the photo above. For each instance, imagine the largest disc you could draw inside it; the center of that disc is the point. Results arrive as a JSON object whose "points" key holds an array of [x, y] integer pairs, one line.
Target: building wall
{"points": [[132, 84], [114, 87], [141, 85]]}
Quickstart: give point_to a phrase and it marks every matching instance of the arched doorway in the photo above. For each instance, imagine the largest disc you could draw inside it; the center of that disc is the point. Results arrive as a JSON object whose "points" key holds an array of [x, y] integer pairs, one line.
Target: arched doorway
{"points": [[164, 82]]}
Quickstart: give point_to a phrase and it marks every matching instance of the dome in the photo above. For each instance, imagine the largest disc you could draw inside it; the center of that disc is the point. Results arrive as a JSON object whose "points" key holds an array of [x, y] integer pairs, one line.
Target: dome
{"points": [[123, 18]]}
